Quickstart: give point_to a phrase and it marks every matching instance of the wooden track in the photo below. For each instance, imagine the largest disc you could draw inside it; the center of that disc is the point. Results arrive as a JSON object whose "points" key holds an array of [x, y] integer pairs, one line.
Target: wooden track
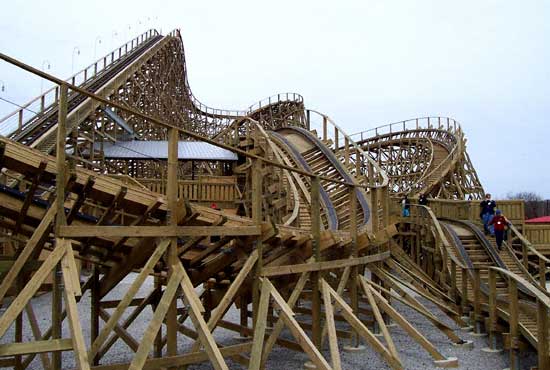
{"points": [[316, 211]]}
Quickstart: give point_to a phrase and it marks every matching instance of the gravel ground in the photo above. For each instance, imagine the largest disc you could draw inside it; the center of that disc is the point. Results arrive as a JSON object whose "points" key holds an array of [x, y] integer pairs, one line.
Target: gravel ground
{"points": [[412, 355]]}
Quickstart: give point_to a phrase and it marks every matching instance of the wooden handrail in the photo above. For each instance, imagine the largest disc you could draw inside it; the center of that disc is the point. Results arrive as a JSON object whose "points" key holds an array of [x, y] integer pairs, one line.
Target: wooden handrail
{"points": [[534, 290]]}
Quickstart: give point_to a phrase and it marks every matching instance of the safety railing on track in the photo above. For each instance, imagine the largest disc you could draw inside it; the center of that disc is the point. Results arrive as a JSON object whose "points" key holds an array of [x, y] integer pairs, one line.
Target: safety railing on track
{"points": [[203, 108], [16, 120], [423, 123]]}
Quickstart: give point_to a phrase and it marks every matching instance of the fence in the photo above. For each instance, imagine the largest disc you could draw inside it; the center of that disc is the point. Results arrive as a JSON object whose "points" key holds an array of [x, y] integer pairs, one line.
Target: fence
{"points": [[205, 189]]}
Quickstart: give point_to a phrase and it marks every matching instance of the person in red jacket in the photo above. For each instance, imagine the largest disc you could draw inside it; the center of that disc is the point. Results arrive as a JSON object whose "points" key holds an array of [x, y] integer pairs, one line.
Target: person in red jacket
{"points": [[500, 223]]}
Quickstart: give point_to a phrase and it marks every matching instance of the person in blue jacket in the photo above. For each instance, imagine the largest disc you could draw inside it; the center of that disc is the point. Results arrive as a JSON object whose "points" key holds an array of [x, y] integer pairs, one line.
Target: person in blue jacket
{"points": [[486, 213]]}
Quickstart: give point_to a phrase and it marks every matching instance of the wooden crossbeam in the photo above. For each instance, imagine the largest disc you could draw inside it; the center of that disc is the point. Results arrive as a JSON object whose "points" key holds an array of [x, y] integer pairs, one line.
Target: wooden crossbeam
{"points": [[229, 296], [30, 288], [129, 320], [147, 341], [127, 299], [39, 346], [39, 235], [331, 328], [155, 231], [72, 288], [287, 316], [379, 320], [325, 265], [401, 321], [279, 325], [80, 198], [29, 196], [181, 360], [363, 331], [120, 331], [44, 358], [195, 312]]}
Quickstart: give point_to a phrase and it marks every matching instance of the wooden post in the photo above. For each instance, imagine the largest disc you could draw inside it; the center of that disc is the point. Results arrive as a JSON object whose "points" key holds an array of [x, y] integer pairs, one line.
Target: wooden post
{"points": [[492, 309], [19, 329], [315, 276], [542, 335], [325, 131], [257, 191], [94, 322], [525, 252], [60, 157], [57, 294], [542, 273], [513, 304], [464, 298], [454, 293], [354, 269], [172, 252], [477, 301]]}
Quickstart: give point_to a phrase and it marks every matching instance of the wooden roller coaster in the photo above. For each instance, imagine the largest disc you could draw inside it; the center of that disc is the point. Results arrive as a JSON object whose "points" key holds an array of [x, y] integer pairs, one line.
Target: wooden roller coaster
{"points": [[299, 217]]}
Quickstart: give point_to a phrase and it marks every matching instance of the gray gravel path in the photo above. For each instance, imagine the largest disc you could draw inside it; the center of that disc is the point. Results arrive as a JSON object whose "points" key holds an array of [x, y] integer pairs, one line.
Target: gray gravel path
{"points": [[412, 355]]}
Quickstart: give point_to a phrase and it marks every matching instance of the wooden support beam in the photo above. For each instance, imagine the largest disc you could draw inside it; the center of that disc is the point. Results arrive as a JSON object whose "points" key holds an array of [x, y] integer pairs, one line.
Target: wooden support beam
{"points": [[259, 328], [363, 331], [120, 331], [29, 196], [195, 313], [147, 341], [127, 299], [279, 325], [181, 360], [44, 358], [30, 289], [37, 237], [71, 290], [39, 346], [323, 266], [288, 317], [156, 231], [331, 329]]}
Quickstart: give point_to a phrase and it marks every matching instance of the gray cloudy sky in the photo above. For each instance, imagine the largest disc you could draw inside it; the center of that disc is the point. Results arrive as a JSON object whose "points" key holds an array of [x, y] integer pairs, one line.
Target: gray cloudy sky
{"points": [[364, 63]]}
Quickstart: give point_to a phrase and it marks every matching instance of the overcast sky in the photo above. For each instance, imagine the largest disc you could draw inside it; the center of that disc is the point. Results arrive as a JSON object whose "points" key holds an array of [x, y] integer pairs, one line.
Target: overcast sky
{"points": [[364, 63]]}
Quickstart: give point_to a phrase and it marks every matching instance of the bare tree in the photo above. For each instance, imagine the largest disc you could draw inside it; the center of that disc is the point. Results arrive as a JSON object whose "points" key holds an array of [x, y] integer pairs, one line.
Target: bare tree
{"points": [[528, 196]]}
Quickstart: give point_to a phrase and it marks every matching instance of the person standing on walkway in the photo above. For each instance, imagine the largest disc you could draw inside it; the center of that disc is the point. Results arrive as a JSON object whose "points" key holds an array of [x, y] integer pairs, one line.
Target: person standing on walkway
{"points": [[486, 213], [500, 223], [423, 200], [406, 206]]}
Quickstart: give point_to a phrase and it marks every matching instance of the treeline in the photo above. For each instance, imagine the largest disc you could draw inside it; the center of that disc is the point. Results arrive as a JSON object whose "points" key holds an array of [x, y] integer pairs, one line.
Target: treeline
{"points": [[535, 206]]}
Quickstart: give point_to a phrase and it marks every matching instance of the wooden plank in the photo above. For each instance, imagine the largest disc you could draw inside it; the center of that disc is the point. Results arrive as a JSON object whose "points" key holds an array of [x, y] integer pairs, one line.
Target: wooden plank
{"points": [[396, 316], [331, 328], [227, 299], [279, 325], [79, 345], [39, 346], [325, 265], [259, 328], [364, 332], [195, 311], [158, 317], [27, 251], [155, 231], [44, 358], [127, 299], [30, 289], [181, 360], [378, 317], [120, 331], [288, 317]]}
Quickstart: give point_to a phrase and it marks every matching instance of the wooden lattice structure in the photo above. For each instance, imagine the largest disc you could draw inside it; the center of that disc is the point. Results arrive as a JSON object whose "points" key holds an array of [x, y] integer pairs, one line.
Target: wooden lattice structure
{"points": [[308, 210]]}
